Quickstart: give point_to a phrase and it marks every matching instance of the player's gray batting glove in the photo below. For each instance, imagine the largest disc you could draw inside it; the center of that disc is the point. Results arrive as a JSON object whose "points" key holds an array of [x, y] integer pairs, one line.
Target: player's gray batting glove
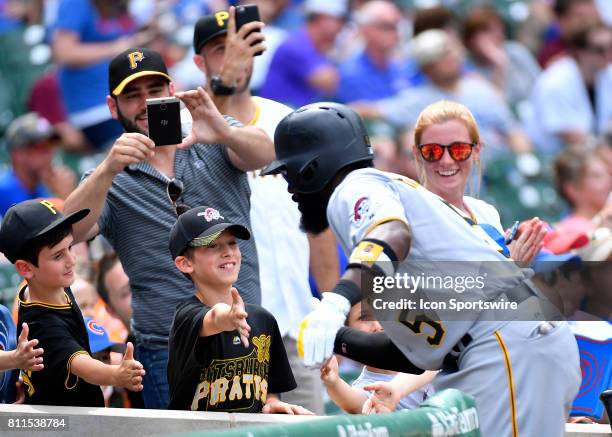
{"points": [[315, 343]]}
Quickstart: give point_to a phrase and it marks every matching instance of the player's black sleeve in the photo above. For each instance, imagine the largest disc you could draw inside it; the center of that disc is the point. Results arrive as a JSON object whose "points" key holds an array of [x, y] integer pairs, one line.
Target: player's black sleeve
{"points": [[280, 376], [373, 349]]}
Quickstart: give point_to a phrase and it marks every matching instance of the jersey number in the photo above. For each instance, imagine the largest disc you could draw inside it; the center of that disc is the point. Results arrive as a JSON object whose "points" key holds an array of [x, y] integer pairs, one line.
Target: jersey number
{"points": [[416, 326]]}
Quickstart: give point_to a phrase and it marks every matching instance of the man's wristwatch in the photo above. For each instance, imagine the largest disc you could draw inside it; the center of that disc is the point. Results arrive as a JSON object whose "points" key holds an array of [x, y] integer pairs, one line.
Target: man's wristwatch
{"points": [[221, 89]]}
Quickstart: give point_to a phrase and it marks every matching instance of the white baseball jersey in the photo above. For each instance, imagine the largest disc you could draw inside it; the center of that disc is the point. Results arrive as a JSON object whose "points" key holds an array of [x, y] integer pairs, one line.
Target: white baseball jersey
{"points": [[440, 232], [282, 247]]}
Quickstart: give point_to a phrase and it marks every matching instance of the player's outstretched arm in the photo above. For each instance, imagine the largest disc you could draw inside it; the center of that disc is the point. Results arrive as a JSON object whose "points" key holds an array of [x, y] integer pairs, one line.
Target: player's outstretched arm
{"points": [[373, 349], [318, 330], [275, 406], [24, 356], [350, 399], [128, 374], [223, 317]]}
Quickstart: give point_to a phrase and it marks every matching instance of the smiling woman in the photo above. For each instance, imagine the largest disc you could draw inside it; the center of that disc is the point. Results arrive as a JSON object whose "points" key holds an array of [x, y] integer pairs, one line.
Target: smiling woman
{"points": [[444, 127], [447, 149]]}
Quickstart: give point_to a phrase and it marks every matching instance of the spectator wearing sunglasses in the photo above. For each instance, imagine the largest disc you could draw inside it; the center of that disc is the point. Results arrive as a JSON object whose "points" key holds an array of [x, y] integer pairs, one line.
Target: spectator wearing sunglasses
{"points": [[572, 98], [447, 150], [133, 194]]}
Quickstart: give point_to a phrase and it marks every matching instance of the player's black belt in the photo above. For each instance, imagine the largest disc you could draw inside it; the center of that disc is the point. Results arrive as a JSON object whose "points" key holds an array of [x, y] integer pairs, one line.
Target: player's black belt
{"points": [[450, 360]]}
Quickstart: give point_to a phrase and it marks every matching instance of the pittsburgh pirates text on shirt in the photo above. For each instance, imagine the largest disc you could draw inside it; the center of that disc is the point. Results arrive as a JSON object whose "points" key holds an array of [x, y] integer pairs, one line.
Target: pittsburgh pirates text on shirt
{"points": [[235, 379]]}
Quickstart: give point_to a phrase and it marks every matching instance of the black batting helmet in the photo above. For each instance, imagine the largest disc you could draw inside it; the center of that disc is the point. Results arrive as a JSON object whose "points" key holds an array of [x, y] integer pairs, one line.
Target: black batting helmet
{"points": [[316, 141]]}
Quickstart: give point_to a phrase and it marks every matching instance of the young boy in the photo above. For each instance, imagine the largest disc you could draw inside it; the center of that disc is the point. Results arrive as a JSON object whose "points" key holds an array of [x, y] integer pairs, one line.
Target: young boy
{"points": [[393, 391], [212, 364], [37, 238]]}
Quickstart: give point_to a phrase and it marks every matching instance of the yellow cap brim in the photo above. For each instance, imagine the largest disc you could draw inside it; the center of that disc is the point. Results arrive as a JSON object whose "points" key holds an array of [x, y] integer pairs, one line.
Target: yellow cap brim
{"points": [[205, 241], [119, 88]]}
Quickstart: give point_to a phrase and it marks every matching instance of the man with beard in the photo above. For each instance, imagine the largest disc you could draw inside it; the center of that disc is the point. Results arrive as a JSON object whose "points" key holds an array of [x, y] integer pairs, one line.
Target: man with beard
{"points": [[225, 56], [129, 198]]}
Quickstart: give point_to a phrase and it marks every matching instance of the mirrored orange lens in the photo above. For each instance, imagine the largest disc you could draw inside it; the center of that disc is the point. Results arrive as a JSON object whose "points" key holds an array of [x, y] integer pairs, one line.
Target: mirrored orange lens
{"points": [[431, 152], [460, 151]]}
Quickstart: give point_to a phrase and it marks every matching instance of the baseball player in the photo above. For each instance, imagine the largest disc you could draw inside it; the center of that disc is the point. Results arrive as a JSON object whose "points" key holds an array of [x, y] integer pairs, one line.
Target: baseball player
{"points": [[523, 375]]}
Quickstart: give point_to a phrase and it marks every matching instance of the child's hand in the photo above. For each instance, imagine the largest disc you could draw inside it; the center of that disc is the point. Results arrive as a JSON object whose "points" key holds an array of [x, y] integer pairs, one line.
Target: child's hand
{"points": [[25, 356], [129, 372], [329, 371], [384, 398], [236, 318], [276, 406]]}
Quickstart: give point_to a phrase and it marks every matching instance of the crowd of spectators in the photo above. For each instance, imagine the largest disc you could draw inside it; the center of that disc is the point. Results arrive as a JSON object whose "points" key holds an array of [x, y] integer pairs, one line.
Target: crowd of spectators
{"points": [[537, 76]]}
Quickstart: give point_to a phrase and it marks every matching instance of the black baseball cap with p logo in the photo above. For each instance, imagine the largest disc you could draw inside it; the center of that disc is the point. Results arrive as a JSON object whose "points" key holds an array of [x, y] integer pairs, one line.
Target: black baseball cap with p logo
{"points": [[209, 27], [132, 64], [199, 227], [28, 220]]}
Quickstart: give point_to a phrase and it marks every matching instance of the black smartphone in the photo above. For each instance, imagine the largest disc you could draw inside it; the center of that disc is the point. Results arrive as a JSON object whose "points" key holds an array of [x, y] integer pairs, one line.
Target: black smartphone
{"points": [[245, 14], [164, 116]]}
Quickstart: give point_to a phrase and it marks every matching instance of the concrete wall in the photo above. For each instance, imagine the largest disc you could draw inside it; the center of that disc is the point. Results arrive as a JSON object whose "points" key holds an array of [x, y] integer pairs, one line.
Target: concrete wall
{"points": [[117, 422]]}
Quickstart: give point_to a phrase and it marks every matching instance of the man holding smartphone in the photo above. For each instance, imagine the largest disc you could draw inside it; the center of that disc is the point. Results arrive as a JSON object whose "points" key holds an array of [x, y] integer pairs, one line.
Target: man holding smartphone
{"points": [[130, 205], [224, 53]]}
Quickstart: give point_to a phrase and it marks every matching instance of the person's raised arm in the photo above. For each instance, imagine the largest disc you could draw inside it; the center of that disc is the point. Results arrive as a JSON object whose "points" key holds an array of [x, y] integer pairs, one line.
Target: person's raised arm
{"points": [[24, 356], [128, 374], [223, 317], [69, 50], [240, 48], [130, 148], [248, 147], [350, 399]]}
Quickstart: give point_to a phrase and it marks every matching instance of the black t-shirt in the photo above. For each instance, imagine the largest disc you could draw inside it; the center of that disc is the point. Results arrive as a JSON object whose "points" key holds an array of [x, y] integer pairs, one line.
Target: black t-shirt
{"points": [[217, 373], [61, 332]]}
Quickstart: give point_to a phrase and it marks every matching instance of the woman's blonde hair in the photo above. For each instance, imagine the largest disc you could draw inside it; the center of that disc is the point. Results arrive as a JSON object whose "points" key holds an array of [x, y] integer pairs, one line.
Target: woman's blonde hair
{"points": [[441, 112]]}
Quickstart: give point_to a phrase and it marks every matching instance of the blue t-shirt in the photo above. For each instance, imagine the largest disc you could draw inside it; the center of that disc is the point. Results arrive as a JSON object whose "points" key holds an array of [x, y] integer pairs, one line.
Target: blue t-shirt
{"points": [[87, 87], [361, 79], [12, 191], [293, 63]]}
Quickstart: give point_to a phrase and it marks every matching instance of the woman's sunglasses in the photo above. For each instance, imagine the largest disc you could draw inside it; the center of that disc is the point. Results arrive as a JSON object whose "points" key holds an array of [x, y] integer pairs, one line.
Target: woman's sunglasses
{"points": [[459, 151]]}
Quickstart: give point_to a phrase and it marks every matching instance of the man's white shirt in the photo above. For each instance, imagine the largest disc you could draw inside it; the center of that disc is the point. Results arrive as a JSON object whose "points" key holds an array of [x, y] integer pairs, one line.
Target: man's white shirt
{"points": [[282, 247]]}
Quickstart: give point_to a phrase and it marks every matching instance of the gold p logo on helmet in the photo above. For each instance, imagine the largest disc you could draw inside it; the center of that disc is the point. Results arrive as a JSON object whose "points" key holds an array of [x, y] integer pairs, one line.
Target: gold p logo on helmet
{"points": [[222, 17], [134, 58]]}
